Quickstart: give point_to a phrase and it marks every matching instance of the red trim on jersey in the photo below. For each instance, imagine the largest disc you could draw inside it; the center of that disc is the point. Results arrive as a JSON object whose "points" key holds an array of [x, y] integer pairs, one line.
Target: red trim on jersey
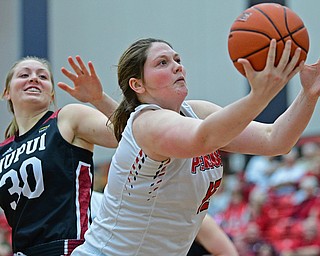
{"points": [[7, 141], [54, 115], [84, 197], [70, 245]]}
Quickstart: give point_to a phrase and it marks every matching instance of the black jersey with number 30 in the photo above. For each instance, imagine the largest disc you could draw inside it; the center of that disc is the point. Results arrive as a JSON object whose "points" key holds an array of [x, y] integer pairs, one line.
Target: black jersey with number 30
{"points": [[45, 185]]}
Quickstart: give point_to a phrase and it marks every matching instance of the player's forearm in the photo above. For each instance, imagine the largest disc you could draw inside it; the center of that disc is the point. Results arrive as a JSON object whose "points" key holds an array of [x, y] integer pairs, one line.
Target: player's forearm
{"points": [[106, 105], [230, 121], [291, 124]]}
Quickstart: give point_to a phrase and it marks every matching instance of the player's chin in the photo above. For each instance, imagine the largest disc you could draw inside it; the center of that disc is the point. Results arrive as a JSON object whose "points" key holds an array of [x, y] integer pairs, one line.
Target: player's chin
{"points": [[182, 90]]}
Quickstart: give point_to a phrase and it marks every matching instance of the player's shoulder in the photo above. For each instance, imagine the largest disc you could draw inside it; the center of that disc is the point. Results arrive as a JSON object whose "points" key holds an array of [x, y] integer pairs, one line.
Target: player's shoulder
{"points": [[74, 107], [200, 103], [74, 111], [203, 108]]}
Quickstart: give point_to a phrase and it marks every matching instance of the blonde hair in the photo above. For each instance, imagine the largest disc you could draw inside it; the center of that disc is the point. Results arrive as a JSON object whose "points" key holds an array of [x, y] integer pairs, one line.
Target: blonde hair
{"points": [[13, 128]]}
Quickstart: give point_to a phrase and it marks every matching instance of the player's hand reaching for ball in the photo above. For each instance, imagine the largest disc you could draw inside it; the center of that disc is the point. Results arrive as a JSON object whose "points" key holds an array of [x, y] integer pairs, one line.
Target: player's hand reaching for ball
{"points": [[271, 80]]}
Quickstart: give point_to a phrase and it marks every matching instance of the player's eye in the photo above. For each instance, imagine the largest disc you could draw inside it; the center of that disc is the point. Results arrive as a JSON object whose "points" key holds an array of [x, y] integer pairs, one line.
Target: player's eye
{"points": [[43, 77], [163, 62]]}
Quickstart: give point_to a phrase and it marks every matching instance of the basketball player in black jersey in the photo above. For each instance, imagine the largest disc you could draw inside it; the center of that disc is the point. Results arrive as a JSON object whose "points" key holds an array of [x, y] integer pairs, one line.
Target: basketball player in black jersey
{"points": [[46, 164]]}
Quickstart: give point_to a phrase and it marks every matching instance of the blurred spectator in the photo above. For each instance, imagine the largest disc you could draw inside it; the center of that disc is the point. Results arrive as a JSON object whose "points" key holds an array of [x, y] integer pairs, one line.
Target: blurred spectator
{"points": [[310, 155], [237, 215], [274, 208], [251, 243], [259, 170], [257, 201], [306, 200], [266, 249], [255, 243], [308, 242], [286, 177], [315, 171]]}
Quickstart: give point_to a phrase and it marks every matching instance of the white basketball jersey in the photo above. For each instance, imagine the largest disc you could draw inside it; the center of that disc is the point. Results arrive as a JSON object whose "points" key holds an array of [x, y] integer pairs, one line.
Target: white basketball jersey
{"points": [[150, 207]]}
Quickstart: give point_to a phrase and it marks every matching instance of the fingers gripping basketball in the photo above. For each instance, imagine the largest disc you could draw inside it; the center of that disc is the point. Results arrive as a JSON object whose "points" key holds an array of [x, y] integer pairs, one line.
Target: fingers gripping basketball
{"points": [[253, 29]]}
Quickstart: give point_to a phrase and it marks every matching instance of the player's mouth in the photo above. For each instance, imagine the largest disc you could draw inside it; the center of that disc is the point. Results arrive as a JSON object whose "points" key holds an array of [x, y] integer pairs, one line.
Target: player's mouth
{"points": [[32, 89], [180, 80]]}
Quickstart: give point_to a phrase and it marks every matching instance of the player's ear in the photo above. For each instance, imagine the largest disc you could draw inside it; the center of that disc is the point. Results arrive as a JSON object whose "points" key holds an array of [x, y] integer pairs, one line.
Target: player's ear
{"points": [[53, 96], [136, 85], [6, 94]]}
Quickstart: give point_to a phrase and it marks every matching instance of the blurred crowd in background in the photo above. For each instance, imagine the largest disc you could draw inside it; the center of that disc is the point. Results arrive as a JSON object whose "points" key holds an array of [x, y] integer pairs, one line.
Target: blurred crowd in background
{"points": [[271, 207]]}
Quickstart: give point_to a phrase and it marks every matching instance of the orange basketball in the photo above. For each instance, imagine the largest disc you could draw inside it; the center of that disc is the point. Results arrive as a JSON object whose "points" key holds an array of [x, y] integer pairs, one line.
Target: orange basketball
{"points": [[252, 31]]}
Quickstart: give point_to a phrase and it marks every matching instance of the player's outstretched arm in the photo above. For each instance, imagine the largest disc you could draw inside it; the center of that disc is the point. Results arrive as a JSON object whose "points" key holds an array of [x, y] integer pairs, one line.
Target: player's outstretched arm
{"points": [[279, 137], [294, 121]]}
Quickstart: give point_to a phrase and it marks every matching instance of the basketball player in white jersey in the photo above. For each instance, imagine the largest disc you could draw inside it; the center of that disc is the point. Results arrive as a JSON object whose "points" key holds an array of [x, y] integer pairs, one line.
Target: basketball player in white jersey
{"points": [[168, 165]]}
